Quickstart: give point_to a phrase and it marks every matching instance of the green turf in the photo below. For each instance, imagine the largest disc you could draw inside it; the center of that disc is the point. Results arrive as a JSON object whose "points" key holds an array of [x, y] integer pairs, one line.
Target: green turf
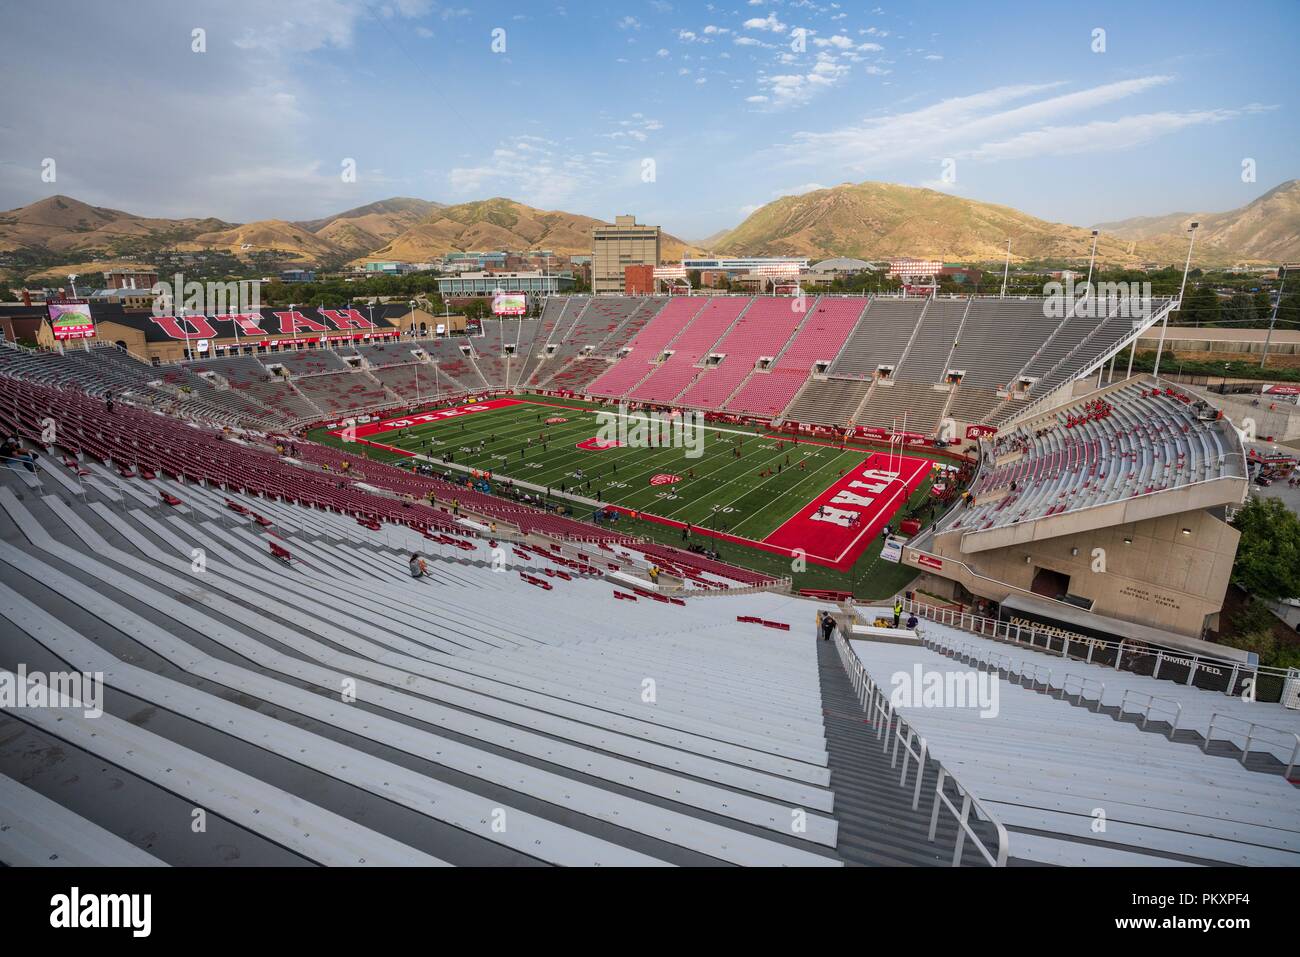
{"points": [[726, 493]]}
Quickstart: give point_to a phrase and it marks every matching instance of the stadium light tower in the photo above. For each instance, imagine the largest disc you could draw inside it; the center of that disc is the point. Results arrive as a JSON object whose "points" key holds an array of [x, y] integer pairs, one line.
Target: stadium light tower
{"points": [[1006, 269], [72, 278], [1093, 258], [1164, 326], [1281, 275]]}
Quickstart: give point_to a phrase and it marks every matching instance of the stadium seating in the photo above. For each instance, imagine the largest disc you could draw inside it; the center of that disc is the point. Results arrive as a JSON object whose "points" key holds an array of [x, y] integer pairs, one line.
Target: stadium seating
{"points": [[612, 346], [820, 337], [578, 375], [999, 338], [1043, 769], [646, 346], [516, 710], [1186, 709], [695, 340], [881, 338], [927, 359], [599, 330], [380, 354], [917, 406], [553, 314], [453, 363], [763, 330], [414, 382], [306, 362], [98, 370], [275, 393], [1132, 440], [828, 401], [340, 392]]}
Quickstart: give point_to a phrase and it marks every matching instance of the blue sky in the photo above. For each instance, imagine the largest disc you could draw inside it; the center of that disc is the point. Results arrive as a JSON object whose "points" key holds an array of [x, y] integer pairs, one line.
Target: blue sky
{"points": [[687, 114]]}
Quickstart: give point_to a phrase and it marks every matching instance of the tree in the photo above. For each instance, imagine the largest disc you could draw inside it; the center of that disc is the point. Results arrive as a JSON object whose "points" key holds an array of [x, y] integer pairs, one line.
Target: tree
{"points": [[1239, 311], [1200, 308], [477, 308], [1268, 556]]}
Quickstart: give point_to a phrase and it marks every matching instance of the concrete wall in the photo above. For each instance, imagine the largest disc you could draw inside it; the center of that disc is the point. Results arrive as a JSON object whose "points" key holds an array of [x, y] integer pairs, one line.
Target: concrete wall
{"points": [[1160, 577]]}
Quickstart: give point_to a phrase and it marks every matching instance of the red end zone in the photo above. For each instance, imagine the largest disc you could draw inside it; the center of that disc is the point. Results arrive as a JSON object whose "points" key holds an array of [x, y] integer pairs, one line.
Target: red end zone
{"points": [[424, 418], [836, 527]]}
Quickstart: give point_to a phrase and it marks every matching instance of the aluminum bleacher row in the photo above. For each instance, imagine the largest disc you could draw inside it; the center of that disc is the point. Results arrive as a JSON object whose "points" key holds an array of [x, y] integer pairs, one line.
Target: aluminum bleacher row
{"points": [[1137, 439], [335, 711], [138, 441], [98, 370], [1049, 771], [274, 393]]}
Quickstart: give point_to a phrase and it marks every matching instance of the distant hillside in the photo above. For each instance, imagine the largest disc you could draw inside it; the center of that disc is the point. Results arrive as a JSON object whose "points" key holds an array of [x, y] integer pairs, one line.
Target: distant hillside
{"points": [[501, 223], [881, 220], [1266, 230], [60, 224], [863, 220], [266, 236], [369, 227]]}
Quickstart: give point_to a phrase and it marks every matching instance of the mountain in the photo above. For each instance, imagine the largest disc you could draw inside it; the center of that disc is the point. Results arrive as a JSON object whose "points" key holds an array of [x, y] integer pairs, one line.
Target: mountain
{"points": [[266, 236], [368, 227], [60, 224], [711, 241], [882, 220], [1266, 230], [501, 223]]}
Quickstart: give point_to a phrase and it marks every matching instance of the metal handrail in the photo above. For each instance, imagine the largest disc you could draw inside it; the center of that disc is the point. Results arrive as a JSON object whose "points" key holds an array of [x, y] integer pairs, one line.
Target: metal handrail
{"points": [[1083, 682], [962, 817], [1034, 671], [1151, 703], [909, 754], [883, 716], [1251, 728], [1021, 635]]}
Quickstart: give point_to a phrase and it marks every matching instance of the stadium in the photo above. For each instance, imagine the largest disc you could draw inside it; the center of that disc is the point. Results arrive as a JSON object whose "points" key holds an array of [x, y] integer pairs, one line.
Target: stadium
{"points": [[616, 508], [855, 440]]}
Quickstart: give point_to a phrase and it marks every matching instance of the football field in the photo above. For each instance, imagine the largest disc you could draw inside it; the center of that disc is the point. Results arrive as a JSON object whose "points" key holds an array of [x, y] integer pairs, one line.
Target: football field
{"points": [[776, 493]]}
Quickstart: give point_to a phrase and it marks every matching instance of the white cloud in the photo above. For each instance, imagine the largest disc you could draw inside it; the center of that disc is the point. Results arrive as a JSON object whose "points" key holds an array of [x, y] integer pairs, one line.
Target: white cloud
{"points": [[769, 22], [956, 123], [1098, 136]]}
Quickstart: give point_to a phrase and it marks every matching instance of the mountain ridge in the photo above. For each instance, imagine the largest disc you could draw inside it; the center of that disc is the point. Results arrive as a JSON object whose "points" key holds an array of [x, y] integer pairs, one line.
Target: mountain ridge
{"points": [[867, 220]]}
